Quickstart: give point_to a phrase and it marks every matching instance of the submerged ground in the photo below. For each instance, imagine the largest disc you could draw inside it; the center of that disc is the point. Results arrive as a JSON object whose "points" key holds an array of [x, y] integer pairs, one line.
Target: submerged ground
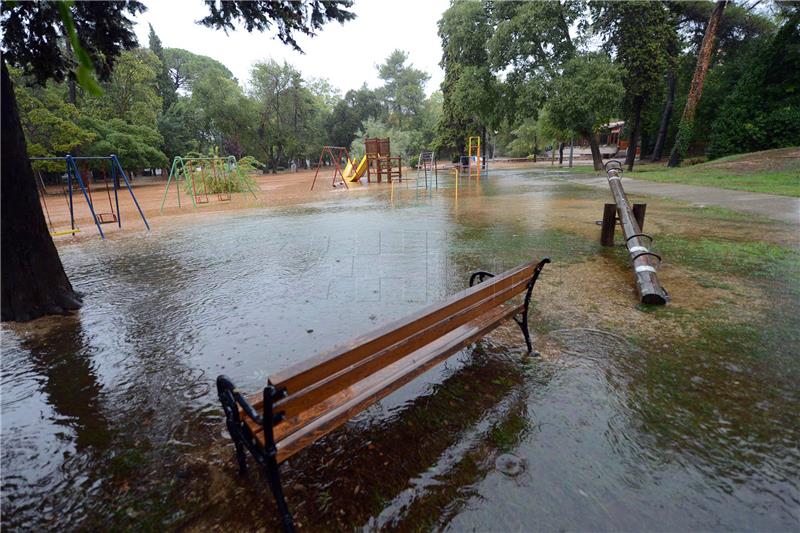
{"points": [[634, 418]]}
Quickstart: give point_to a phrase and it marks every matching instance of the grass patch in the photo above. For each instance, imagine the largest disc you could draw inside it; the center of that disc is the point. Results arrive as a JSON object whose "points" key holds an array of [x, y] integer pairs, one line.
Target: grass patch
{"points": [[749, 259], [771, 172]]}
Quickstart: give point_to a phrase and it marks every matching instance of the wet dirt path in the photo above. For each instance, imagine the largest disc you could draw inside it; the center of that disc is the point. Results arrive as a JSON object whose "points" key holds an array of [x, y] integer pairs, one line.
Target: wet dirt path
{"points": [[781, 208]]}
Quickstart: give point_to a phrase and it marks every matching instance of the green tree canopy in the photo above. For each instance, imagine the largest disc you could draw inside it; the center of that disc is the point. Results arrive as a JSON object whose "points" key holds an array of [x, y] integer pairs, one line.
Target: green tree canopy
{"points": [[760, 96], [350, 113], [403, 89], [186, 68], [131, 93], [49, 122], [285, 109], [470, 90], [166, 89], [586, 96]]}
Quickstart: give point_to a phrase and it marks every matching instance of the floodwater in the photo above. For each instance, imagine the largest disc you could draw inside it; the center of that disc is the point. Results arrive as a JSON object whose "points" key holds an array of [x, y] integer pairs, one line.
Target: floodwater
{"points": [[675, 418]]}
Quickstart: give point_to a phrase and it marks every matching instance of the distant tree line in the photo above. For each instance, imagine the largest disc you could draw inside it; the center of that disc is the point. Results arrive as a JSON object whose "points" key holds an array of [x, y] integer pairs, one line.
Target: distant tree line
{"points": [[161, 102]]}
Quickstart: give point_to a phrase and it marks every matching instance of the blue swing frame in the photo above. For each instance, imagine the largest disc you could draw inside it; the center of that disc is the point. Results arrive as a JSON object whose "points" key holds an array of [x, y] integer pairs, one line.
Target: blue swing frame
{"points": [[74, 174]]}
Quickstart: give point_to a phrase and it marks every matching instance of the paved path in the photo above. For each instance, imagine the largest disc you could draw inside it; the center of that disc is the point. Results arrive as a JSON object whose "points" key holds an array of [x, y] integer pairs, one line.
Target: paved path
{"points": [[783, 208]]}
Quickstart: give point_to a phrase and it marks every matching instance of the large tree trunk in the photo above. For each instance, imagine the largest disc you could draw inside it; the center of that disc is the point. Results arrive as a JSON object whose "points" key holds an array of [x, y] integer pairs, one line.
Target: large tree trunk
{"points": [[560, 153], [696, 88], [633, 140], [33, 279], [666, 115], [644, 144], [597, 158]]}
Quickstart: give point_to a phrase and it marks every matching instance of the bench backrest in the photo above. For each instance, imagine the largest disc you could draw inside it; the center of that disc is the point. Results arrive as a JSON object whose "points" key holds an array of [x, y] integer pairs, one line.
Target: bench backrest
{"points": [[311, 381]]}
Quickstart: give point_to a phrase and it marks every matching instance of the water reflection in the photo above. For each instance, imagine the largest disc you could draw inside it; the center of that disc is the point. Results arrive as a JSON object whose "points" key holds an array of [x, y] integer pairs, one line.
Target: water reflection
{"points": [[54, 401]]}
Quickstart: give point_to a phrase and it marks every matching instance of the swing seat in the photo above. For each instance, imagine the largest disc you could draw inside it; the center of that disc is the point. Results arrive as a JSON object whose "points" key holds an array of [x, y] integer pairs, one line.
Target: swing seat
{"points": [[201, 200], [224, 197], [106, 218], [64, 232]]}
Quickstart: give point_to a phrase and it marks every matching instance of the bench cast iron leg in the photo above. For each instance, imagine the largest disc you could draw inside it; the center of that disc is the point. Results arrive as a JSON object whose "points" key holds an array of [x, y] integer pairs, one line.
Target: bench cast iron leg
{"points": [[231, 400], [522, 321], [271, 395], [226, 391], [274, 480]]}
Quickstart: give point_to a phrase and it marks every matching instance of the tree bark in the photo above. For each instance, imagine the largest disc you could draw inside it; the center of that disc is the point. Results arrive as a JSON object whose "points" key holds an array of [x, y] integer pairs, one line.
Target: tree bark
{"points": [[633, 140], [33, 279], [645, 142], [672, 82], [560, 153], [597, 158], [696, 87]]}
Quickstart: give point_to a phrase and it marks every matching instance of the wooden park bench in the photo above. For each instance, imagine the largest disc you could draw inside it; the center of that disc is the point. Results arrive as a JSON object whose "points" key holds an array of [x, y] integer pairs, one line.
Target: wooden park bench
{"points": [[311, 398]]}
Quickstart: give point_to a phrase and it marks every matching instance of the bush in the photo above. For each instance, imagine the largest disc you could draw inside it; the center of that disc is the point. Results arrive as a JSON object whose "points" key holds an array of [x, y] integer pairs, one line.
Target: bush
{"points": [[222, 175], [762, 111]]}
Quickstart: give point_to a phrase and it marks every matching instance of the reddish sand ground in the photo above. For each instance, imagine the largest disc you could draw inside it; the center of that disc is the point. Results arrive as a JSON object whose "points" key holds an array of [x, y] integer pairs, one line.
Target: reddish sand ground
{"points": [[284, 188]]}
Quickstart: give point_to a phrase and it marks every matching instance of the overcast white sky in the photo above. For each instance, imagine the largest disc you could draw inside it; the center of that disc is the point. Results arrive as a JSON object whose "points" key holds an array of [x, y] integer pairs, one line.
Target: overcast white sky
{"points": [[344, 54]]}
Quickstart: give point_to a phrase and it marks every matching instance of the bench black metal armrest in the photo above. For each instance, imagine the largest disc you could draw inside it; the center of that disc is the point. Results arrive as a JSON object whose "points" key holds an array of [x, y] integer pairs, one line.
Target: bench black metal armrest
{"points": [[522, 319], [231, 397], [480, 275]]}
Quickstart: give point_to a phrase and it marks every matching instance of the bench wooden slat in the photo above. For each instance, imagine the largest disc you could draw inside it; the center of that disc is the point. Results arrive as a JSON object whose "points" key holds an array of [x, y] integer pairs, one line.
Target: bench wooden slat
{"points": [[303, 400], [340, 408], [309, 371], [297, 419]]}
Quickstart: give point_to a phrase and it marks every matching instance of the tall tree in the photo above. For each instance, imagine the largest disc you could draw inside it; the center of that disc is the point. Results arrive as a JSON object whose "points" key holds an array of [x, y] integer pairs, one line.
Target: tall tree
{"points": [[351, 112], [672, 51], [131, 92], [49, 122], [470, 93], [696, 88], [585, 97], [284, 107], [403, 89], [224, 113], [181, 127], [33, 279], [757, 103], [639, 33], [166, 89], [185, 68]]}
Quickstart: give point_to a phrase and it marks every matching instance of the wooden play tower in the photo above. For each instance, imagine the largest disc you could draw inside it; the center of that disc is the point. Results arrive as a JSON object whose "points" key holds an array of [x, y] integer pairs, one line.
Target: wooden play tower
{"points": [[380, 162]]}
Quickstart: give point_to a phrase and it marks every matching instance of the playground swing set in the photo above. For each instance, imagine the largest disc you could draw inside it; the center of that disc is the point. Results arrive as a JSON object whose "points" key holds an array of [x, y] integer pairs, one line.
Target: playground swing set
{"points": [[204, 175], [74, 176], [336, 154]]}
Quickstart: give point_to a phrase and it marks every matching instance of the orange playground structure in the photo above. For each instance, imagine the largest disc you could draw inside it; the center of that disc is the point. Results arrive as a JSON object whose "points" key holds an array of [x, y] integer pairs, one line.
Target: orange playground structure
{"points": [[377, 161]]}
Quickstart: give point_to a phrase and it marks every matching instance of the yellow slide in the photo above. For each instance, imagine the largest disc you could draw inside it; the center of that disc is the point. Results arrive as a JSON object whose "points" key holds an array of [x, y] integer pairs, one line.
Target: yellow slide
{"points": [[360, 169]]}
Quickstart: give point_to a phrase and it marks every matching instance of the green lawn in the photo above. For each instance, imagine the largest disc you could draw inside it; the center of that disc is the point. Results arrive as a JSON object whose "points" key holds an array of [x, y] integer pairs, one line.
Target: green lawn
{"points": [[770, 171]]}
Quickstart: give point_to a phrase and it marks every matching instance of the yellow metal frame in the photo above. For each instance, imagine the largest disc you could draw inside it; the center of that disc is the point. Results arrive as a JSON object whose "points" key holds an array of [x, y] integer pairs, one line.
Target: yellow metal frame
{"points": [[474, 145]]}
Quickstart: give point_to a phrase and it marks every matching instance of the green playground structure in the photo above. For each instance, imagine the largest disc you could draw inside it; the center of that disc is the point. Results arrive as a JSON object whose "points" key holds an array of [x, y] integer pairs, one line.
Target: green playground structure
{"points": [[203, 176]]}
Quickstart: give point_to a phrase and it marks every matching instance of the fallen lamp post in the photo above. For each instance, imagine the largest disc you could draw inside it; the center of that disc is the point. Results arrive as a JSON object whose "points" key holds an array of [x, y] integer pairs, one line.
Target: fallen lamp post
{"points": [[645, 262]]}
